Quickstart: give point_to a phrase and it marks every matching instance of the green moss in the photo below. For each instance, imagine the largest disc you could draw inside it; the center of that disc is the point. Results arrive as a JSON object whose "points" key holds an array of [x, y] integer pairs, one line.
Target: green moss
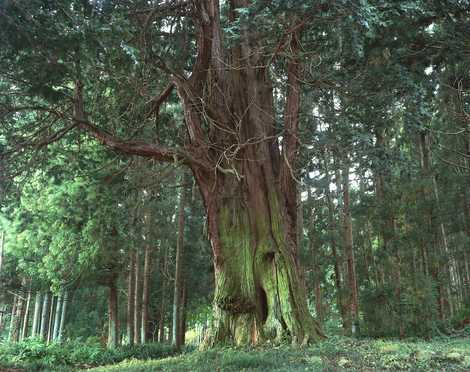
{"points": [[258, 294]]}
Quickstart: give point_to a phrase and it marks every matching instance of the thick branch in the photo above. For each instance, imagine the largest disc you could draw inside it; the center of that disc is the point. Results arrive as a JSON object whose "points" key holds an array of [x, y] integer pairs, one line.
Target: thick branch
{"points": [[131, 147], [156, 102], [126, 147]]}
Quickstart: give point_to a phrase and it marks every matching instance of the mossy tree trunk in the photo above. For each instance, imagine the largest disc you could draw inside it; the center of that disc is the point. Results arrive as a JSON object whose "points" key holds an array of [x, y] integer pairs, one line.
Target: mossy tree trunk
{"points": [[258, 294]]}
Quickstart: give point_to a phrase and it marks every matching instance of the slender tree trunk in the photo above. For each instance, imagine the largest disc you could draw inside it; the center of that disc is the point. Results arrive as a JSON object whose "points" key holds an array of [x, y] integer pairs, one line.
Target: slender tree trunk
{"points": [[466, 265], [137, 298], [179, 272], [182, 326], [37, 314], [145, 293], [449, 268], [44, 316], [3, 312], [337, 261], [315, 262], [170, 330], [65, 300], [58, 311], [435, 269], [14, 326], [130, 298], [24, 330], [162, 312], [51, 318], [113, 327], [20, 305], [349, 250], [2, 248]]}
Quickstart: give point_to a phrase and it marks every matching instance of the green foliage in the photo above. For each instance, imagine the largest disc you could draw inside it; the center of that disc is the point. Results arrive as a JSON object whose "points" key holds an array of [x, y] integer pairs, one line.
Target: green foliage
{"points": [[416, 309], [34, 354]]}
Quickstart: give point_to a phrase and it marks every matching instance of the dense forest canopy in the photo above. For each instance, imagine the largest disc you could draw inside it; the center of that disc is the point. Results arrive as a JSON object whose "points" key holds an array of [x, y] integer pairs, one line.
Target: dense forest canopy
{"points": [[251, 171]]}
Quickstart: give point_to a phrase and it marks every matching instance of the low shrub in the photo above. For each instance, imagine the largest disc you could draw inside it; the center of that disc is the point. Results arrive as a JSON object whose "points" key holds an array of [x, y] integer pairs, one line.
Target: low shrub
{"points": [[34, 354]]}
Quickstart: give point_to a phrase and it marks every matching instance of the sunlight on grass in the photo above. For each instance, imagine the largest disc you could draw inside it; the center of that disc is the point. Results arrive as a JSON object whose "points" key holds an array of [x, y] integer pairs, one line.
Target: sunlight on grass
{"points": [[334, 354]]}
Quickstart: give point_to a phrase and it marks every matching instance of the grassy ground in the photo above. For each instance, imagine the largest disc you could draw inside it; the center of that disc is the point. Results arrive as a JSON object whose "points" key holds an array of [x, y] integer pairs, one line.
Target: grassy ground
{"points": [[334, 354]]}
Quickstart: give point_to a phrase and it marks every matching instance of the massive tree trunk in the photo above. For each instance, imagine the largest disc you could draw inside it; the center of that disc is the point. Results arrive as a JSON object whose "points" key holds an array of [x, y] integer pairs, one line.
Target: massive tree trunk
{"points": [[244, 170]]}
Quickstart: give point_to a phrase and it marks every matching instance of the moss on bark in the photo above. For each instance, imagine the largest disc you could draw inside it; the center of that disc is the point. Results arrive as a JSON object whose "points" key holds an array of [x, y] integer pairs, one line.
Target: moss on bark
{"points": [[258, 294]]}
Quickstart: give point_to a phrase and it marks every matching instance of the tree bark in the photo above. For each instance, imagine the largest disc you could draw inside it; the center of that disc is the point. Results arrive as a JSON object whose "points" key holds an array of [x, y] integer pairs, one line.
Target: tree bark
{"points": [[65, 300], [177, 290], [162, 311], [2, 247], [58, 311], [44, 316], [315, 262], [36, 316], [435, 269], [349, 250], [182, 326], [24, 328], [145, 293], [113, 326], [337, 261], [130, 298], [14, 321], [51, 318], [137, 298]]}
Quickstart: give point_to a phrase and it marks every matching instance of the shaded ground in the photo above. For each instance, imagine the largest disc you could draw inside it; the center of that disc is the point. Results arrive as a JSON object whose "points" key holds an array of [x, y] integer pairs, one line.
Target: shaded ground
{"points": [[335, 354]]}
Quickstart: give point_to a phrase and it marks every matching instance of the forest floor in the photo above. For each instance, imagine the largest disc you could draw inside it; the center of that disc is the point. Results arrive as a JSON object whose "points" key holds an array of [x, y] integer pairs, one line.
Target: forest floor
{"points": [[334, 354]]}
